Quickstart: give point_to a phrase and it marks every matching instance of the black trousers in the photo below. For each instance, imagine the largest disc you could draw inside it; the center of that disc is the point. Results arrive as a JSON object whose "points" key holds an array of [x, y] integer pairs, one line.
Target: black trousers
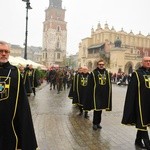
{"points": [[34, 92], [142, 135], [97, 117], [52, 84], [81, 108]]}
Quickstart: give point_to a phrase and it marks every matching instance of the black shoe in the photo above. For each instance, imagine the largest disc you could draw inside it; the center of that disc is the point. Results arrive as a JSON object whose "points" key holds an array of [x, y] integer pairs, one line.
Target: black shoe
{"points": [[147, 143], [138, 143], [99, 126], [86, 116], [95, 127]]}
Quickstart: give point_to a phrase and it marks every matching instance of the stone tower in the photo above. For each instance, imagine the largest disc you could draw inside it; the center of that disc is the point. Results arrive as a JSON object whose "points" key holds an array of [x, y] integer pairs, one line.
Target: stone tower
{"points": [[54, 35]]}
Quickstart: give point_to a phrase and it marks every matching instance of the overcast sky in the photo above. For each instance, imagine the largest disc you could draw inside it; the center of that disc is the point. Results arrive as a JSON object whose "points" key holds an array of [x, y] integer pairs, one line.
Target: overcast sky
{"points": [[81, 16]]}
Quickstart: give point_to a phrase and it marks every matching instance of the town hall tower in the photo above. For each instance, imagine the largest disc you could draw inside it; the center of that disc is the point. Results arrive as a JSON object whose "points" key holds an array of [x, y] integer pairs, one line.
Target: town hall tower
{"points": [[54, 35]]}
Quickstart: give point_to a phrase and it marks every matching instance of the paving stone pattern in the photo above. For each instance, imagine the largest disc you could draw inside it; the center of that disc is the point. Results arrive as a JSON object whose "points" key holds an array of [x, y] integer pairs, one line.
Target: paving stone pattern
{"points": [[59, 127]]}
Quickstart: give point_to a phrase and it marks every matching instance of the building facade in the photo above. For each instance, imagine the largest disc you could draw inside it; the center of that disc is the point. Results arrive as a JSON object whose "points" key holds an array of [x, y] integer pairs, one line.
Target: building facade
{"points": [[54, 35], [72, 61], [121, 51], [16, 50], [33, 53]]}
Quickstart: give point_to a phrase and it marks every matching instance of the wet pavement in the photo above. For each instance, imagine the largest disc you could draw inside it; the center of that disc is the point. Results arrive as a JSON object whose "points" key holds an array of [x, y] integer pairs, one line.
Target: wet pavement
{"points": [[59, 127]]}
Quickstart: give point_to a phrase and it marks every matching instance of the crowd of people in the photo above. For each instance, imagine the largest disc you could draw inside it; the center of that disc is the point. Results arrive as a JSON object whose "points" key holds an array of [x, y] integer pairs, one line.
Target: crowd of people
{"points": [[90, 91], [120, 78], [59, 78]]}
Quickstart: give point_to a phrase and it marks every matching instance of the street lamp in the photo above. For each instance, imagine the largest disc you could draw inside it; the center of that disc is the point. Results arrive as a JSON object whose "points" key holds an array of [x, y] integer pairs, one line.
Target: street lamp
{"points": [[26, 32]]}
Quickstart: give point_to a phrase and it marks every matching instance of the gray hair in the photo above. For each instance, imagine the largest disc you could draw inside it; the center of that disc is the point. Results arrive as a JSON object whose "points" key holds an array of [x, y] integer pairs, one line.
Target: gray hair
{"points": [[5, 43]]}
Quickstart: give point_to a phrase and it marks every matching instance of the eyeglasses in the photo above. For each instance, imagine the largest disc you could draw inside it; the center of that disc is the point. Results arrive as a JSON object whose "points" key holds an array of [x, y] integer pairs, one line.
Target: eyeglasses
{"points": [[146, 60], [4, 51], [101, 64]]}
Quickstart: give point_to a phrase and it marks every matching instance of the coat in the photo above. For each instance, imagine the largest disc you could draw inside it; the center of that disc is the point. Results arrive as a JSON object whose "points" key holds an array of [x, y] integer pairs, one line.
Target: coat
{"points": [[16, 126], [137, 102], [99, 95]]}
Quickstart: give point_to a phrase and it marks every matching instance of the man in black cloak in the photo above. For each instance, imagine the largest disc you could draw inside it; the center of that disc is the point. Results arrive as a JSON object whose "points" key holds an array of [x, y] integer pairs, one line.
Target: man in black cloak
{"points": [[26, 80], [137, 103], [16, 126], [73, 88], [80, 91], [34, 81], [99, 95]]}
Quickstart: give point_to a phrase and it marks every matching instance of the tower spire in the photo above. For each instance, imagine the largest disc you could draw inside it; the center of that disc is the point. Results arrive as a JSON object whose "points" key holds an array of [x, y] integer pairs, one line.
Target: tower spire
{"points": [[55, 3]]}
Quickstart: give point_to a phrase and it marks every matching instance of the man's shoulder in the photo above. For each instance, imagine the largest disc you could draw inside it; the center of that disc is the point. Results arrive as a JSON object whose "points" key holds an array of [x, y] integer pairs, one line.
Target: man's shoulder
{"points": [[95, 70], [12, 67]]}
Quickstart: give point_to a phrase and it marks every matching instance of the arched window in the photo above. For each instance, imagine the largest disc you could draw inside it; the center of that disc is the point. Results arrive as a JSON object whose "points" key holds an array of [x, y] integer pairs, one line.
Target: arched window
{"points": [[146, 53], [138, 52], [58, 28], [58, 55]]}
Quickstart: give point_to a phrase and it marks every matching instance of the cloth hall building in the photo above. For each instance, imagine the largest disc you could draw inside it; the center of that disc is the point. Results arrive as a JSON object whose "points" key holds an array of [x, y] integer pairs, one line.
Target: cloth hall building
{"points": [[121, 51]]}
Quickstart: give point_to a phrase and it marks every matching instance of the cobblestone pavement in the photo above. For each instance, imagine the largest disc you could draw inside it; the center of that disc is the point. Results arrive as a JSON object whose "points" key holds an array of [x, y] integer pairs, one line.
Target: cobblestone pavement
{"points": [[58, 126]]}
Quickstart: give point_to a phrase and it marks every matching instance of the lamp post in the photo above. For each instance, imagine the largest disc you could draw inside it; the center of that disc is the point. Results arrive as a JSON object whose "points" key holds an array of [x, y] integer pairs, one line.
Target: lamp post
{"points": [[26, 32]]}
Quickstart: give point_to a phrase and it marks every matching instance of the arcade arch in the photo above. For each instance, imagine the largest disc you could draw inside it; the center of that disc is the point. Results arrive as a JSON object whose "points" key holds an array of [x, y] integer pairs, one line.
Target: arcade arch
{"points": [[137, 65], [128, 69]]}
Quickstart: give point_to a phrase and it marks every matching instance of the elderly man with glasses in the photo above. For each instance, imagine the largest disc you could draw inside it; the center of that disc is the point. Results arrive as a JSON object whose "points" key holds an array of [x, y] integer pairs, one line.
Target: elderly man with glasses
{"points": [[16, 126]]}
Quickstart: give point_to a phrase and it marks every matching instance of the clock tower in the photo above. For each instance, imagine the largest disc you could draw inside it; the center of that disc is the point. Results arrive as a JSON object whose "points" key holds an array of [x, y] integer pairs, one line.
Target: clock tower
{"points": [[54, 35]]}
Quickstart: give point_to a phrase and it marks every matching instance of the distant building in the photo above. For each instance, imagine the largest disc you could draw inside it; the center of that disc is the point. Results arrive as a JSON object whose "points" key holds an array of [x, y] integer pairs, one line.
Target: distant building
{"points": [[16, 50], [72, 61], [54, 35], [33, 53], [120, 50]]}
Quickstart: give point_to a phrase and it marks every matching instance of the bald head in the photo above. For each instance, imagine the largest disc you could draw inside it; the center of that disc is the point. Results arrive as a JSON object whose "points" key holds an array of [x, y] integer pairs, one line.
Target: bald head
{"points": [[85, 69]]}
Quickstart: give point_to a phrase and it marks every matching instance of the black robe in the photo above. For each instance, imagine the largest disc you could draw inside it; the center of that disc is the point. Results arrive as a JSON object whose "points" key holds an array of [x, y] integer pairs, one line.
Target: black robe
{"points": [[16, 126], [137, 101], [99, 95], [32, 73], [81, 86], [72, 91], [26, 81]]}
